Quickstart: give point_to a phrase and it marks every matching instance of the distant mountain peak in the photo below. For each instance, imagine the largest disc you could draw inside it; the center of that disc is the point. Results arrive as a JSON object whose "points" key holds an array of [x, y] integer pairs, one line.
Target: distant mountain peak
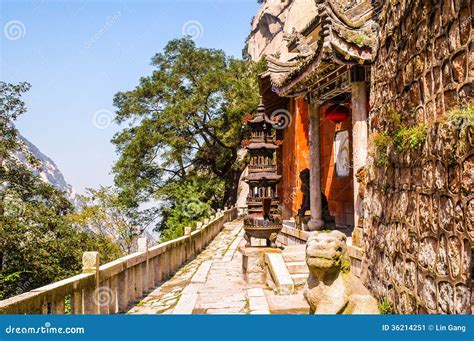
{"points": [[49, 172]]}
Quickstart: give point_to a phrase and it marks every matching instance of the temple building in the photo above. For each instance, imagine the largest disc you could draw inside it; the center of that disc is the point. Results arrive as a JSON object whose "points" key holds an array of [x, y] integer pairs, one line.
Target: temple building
{"points": [[318, 60], [355, 78]]}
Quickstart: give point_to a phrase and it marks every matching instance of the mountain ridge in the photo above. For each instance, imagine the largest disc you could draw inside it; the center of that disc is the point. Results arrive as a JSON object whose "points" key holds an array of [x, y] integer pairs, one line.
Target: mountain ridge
{"points": [[49, 172]]}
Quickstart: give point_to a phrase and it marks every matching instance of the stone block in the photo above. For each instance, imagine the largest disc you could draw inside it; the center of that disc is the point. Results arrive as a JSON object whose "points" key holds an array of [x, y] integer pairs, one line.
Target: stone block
{"points": [[462, 304], [429, 293], [201, 274], [297, 267], [446, 298], [186, 304], [426, 257], [467, 181], [258, 304], [255, 292], [455, 251], [287, 304], [442, 258], [280, 273]]}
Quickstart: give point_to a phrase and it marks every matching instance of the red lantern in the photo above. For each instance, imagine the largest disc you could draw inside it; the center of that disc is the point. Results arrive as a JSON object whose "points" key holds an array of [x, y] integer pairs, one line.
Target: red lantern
{"points": [[337, 113]]}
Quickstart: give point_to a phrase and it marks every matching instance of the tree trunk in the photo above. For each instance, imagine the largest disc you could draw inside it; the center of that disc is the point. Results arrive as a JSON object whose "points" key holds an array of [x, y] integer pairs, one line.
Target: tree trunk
{"points": [[232, 186]]}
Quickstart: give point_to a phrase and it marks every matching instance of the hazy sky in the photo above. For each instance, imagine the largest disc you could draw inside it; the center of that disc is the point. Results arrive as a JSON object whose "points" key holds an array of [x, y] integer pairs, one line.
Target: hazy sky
{"points": [[78, 54]]}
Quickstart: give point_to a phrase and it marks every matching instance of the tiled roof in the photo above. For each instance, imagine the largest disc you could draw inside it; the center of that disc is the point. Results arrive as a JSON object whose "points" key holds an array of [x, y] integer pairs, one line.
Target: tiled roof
{"points": [[347, 35]]}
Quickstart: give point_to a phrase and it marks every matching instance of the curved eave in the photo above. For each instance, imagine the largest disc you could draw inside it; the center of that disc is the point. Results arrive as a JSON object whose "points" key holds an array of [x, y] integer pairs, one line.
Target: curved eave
{"points": [[290, 79], [259, 120]]}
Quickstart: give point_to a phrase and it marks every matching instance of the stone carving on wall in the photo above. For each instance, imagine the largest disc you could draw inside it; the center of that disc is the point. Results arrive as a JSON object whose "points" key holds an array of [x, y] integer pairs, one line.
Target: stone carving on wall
{"points": [[425, 232]]}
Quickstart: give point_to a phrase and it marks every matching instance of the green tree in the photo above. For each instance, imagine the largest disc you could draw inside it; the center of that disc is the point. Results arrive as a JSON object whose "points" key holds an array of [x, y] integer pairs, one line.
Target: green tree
{"points": [[37, 244], [187, 202], [105, 215], [185, 122]]}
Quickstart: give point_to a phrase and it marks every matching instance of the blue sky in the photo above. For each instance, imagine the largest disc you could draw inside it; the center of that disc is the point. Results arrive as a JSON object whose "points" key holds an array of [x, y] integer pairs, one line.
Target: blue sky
{"points": [[78, 54]]}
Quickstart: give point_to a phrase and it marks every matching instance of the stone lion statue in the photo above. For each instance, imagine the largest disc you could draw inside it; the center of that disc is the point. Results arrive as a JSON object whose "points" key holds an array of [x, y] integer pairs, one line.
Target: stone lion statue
{"points": [[330, 288]]}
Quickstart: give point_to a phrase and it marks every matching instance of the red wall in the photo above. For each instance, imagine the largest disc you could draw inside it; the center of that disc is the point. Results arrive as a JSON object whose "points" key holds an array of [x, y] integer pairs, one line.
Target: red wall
{"points": [[293, 157], [338, 190]]}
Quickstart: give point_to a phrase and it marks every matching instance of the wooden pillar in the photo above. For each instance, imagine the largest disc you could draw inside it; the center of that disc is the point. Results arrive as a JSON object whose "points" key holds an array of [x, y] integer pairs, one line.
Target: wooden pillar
{"points": [[315, 223], [359, 134]]}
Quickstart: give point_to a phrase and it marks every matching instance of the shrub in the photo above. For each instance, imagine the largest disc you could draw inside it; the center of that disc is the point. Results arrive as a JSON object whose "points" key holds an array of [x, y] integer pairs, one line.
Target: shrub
{"points": [[385, 307], [410, 138]]}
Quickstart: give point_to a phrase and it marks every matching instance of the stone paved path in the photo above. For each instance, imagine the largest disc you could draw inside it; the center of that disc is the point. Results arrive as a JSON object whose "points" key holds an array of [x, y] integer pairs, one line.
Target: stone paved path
{"points": [[212, 283]]}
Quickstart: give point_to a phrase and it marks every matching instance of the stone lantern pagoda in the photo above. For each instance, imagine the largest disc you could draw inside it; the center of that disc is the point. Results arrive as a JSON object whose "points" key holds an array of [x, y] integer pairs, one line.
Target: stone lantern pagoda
{"points": [[264, 215]]}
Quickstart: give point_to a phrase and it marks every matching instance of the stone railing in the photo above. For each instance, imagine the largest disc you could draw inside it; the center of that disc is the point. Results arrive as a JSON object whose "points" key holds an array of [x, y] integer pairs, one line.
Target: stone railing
{"points": [[292, 236], [112, 287]]}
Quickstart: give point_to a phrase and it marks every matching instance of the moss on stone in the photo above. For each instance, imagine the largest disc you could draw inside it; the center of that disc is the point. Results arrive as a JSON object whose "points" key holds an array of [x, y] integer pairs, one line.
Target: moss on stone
{"points": [[380, 142], [345, 265], [410, 138], [461, 115], [385, 307]]}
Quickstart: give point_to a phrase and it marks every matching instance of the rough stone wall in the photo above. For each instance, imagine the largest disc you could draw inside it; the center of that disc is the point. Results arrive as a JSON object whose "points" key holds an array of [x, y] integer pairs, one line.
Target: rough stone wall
{"points": [[425, 62], [419, 216]]}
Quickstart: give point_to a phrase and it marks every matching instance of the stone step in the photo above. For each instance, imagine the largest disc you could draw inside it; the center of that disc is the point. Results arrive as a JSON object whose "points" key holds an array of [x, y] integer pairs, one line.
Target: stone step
{"points": [[294, 256], [287, 304], [299, 280], [297, 267]]}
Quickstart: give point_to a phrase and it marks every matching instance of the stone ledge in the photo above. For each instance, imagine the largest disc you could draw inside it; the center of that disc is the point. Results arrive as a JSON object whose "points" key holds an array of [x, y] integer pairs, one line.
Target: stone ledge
{"points": [[280, 274], [355, 252], [186, 304], [201, 274]]}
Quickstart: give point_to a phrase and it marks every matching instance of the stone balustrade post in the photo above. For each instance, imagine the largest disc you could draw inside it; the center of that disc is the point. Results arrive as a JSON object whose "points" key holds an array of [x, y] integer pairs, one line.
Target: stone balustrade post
{"points": [[123, 290], [187, 231], [145, 267], [76, 302], [90, 295], [57, 306]]}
